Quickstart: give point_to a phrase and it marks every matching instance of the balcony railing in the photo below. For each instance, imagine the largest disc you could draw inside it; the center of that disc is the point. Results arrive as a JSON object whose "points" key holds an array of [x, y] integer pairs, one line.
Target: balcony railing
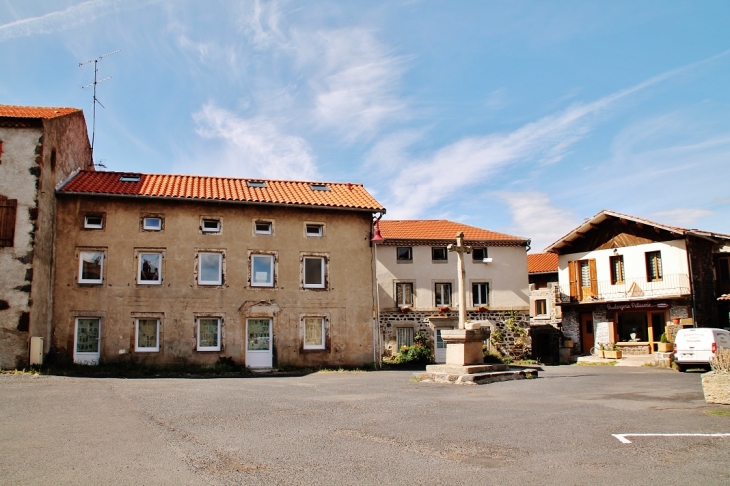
{"points": [[632, 288]]}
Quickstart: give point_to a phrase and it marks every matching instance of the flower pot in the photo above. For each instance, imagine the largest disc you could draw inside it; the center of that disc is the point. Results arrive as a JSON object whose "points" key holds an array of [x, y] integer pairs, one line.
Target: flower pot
{"points": [[601, 353], [665, 347], [568, 343], [676, 320], [613, 354]]}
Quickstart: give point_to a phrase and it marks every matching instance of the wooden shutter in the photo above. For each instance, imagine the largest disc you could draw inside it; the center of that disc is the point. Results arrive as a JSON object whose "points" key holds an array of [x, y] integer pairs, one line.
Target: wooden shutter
{"points": [[533, 305], [573, 278], [8, 209], [594, 280]]}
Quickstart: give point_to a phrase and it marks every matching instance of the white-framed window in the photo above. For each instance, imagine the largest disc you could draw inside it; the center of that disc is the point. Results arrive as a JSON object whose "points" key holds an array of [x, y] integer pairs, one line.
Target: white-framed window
{"points": [[404, 337], [210, 225], [404, 294], [149, 269], [259, 184], [210, 268], [262, 270], [152, 224], [442, 294], [314, 272], [479, 254], [319, 187], [314, 332], [439, 254], [404, 254], [147, 335], [480, 293], [91, 267], [541, 307], [209, 334], [93, 221], [314, 229], [263, 227]]}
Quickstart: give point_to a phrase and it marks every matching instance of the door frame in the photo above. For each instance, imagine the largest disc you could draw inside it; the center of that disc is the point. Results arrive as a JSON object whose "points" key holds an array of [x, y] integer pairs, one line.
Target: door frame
{"points": [[86, 358], [260, 358], [587, 344], [436, 351]]}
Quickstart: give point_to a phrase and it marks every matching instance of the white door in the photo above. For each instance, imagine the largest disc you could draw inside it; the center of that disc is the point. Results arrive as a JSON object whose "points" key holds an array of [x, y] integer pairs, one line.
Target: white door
{"points": [[440, 352], [88, 334], [258, 343]]}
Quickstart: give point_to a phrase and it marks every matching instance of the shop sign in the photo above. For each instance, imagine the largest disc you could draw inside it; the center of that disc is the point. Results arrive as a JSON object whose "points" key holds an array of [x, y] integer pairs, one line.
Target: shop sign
{"points": [[638, 306]]}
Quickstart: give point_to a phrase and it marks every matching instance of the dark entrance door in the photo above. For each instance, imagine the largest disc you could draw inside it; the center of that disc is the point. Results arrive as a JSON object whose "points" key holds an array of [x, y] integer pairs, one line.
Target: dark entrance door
{"points": [[586, 331]]}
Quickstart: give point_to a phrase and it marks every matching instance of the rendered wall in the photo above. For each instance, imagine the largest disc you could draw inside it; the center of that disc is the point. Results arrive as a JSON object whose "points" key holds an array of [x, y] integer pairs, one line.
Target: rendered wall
{"points": [[348, 300]]}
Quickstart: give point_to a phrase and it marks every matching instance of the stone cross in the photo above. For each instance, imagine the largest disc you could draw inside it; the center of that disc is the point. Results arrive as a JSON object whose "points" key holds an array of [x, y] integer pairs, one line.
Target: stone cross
{"points": [[460, 249]]}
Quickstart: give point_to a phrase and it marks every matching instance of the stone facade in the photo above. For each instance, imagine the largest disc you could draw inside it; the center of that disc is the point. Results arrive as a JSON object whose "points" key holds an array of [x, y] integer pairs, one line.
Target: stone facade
{"points": [[716, 387]]}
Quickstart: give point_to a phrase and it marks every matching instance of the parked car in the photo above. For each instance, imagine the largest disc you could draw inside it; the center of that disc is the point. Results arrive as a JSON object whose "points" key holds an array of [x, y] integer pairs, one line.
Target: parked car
{"points": [[696, 346]]}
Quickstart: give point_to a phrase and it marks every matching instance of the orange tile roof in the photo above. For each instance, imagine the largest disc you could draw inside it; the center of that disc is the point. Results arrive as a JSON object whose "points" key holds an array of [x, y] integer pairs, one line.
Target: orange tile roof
{"points": [[44, 112], [439, 229], [542, 262], [295, 193]]}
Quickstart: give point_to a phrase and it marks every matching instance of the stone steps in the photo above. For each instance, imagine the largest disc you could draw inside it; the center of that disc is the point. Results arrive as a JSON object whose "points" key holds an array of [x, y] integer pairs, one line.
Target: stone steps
{"points": [[481, 377]]}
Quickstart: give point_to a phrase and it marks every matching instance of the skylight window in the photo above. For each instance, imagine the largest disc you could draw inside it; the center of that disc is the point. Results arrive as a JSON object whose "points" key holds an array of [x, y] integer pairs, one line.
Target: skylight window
{"points": [[129, 178], [319, 187], [256, 184]]}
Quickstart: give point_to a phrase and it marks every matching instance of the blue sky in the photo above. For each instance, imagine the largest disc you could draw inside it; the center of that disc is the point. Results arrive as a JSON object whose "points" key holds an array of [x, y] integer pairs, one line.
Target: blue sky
{"points": [[520, 117]]}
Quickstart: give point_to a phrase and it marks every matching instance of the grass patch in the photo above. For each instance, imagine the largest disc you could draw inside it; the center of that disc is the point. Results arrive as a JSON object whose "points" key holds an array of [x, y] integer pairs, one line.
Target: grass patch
{"points": [[596, 363], [717, 412]]}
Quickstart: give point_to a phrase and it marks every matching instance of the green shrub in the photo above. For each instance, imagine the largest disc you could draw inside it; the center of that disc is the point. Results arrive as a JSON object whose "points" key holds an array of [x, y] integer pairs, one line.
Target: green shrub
{"points": [[414, 354], [663, 339]]}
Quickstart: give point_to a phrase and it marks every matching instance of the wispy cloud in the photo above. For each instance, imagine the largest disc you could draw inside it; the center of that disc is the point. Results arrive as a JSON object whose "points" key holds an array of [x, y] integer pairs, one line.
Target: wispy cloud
{"points": [[66, 19], [682, 217], [534, 216], [255, 147]]}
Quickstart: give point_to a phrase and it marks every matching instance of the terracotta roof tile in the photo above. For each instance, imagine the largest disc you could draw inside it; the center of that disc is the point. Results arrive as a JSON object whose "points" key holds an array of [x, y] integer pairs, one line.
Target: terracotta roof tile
{"points": [[438, 229], [44, 112], [340, 194], [542, 262]]}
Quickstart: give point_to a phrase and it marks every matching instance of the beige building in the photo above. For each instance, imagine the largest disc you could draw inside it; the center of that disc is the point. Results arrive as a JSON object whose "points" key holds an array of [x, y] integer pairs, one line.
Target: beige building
{"points": [[417, 279], [168, 268], [39, 148]]}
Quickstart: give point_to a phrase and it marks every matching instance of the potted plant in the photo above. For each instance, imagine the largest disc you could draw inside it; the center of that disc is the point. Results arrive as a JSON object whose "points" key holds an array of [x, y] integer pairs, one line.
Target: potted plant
{"points": [[601, 351], [405, 308], [482, 308], [444, 308], [664, 346], [613, 353]]}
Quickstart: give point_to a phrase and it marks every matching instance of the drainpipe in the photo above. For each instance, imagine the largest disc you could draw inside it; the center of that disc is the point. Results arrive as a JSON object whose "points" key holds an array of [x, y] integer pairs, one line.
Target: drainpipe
{"points": [[691, 280], [377, 337]]}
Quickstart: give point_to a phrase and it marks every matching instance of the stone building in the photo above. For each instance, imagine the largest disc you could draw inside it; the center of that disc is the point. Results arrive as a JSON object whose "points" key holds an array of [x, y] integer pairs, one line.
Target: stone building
{"points": [[622, 279], [39, 148], [545, 315], [168, 268], [417, 280]]}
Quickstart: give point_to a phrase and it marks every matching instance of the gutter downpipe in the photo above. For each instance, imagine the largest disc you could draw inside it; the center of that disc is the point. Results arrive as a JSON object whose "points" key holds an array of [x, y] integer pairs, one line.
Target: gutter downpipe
{"points": [[377, 341]]}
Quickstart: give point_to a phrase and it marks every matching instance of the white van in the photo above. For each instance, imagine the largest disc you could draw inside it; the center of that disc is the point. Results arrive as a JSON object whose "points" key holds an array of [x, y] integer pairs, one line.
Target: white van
{"points": [[695, 346]]}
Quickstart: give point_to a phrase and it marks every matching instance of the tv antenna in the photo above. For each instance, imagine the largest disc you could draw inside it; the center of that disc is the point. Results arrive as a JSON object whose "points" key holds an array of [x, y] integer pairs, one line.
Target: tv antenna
{"points": [[96, 100]]}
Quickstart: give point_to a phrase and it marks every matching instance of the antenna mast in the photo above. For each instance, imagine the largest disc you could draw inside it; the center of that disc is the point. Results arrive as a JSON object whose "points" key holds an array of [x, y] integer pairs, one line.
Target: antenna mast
{"points": [[96, 100]]}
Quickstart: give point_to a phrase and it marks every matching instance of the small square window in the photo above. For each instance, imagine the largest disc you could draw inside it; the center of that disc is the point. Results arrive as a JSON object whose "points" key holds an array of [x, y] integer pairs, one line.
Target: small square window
{"points": [[211, 226], [95, 221], [150, 269], [147, 335], [152, 224], [479, 254], [263, 227], [314, 277], [404, 254], [541, 307], [316, 230], [314, 333], [439, 254], [210, 269], [91, 267], [319, 187], [262, 270], [209, 334], [255, 183]]}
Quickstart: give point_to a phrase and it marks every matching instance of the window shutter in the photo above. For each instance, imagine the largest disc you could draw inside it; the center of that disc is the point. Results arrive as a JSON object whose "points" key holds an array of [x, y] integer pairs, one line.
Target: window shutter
{"points": [[533, 312], [573, 278], [594, 280], [8, 208]]}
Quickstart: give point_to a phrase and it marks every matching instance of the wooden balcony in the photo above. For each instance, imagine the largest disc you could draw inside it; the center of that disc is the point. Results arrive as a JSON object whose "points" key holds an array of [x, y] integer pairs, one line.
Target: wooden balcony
{"points": [[673, 285]]}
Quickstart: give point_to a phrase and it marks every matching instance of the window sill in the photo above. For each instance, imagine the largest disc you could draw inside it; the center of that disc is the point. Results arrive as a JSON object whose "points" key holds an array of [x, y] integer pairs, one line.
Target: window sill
{"points": [[404, 261]]}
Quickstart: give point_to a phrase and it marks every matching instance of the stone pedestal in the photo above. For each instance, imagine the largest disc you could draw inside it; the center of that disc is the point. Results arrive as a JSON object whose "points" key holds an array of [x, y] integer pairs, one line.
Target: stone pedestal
{"points": [[463, 346]]}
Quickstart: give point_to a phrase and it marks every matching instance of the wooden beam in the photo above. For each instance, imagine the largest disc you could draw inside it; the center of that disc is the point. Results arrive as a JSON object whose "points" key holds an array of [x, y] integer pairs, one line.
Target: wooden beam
{"points": [[639, 225], [623, 221]]}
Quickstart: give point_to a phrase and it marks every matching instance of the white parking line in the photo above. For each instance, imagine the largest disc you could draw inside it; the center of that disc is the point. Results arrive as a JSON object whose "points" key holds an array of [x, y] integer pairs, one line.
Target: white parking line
{"points": [[622, 437]]}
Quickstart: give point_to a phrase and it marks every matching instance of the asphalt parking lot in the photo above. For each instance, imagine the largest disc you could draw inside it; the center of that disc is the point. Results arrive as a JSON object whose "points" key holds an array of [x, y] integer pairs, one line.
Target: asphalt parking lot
{"points": [[363, 428]]}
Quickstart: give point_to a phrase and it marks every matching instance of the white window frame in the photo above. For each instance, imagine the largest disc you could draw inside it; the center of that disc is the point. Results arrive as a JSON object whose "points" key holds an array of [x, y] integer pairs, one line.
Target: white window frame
{"points": [[410, 254], [321, 345], [475, 304], [137, 347], [450, 294], [217, 228], [200, 269], [220, 337], [318, 226], [402, 336], [88, 225], [475, 251], [146, 226], [439, 260], [271, 269], [413, 296], [81, 268], [256, 230], [139, 269], [322, 268]]}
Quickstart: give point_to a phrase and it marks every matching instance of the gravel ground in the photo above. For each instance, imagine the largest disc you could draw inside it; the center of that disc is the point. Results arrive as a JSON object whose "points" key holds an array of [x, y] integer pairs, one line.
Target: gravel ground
{"points": [[362, 428]]}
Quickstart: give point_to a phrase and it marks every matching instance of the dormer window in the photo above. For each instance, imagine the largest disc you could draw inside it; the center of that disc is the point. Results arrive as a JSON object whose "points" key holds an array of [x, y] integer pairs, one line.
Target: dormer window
{"points": [[256, 184], [210, 225], [129, 178], [319, 187]]}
